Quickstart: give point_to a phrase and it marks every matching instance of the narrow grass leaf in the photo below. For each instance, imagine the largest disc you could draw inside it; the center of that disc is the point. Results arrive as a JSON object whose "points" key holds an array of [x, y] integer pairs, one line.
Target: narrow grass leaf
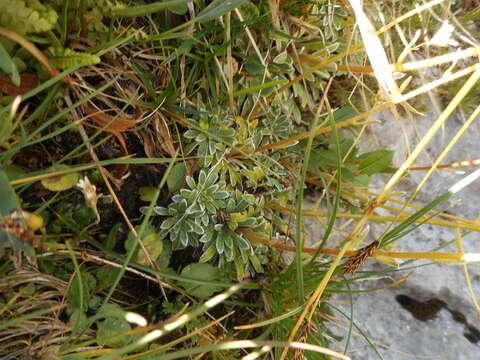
{"points": [[257, 88], [217, 8], [152, 8], [8, 66]]}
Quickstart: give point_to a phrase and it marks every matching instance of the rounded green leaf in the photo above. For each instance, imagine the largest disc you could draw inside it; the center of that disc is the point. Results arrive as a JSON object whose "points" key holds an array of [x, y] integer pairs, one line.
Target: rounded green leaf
{"points": [[176, 177], [167, 224], [61, 182], [108, 332], [200, 271], [153, 244], [147, 193]]}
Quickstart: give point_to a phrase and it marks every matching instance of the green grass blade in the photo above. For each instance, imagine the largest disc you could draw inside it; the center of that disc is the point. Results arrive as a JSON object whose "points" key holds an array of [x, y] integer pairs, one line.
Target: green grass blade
{"points": [[393, 234], [333, 215], [142, 10], [259, 87], [217, 8]]}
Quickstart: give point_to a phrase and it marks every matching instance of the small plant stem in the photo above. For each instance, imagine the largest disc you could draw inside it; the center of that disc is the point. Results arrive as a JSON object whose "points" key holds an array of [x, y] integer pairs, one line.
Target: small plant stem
{"points": [[228, 35], [449, 165], [438, 60], [439, 222], [123, 160], [333, 215], [300, 187], [451, 257]]}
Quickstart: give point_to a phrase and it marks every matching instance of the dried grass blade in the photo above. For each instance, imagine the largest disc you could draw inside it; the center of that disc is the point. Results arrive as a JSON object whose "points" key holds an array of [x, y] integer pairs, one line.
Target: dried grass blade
{"points": [[376, 54]]}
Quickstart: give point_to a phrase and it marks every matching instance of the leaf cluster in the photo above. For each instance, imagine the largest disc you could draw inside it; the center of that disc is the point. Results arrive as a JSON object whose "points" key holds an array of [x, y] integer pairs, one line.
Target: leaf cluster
{"points": [[209, 213], [27, 16]]}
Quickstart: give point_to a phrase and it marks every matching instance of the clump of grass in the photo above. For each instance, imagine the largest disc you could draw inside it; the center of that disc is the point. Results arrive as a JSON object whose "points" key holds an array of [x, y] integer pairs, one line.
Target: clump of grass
{"points": [[155, 157]]}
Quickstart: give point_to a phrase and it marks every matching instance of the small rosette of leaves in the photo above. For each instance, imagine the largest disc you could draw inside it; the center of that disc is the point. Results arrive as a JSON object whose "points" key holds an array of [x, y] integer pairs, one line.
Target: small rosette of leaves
{"points": [[276, 127], [206, 212], [222, 236], [191, 211], [182, 222], [210, 138]]}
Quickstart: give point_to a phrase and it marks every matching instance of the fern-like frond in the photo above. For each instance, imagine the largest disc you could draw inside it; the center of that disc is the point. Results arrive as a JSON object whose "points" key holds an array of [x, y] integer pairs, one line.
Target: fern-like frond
{"points": [[27, 16], [63, 58]]}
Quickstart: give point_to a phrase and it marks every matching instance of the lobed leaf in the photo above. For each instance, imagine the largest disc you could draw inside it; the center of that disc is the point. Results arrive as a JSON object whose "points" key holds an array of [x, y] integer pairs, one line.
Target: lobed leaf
{"points": [[63, 58], [27, 16]]}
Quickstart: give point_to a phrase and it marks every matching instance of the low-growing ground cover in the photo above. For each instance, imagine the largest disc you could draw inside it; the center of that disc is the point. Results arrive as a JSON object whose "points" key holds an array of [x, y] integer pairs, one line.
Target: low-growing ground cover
{"points": [[155, 158]]}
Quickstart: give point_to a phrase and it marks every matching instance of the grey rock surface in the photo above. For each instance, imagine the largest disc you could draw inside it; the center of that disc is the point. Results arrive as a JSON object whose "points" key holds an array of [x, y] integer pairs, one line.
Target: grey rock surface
{"points": [[450, 331]]}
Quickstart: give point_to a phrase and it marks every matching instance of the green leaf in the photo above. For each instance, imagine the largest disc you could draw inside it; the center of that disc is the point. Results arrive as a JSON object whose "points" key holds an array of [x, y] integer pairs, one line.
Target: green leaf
{"points": [[190, 182], [199, 230], [78, 320], [148, 230], [176, 177], [147, 193], [202, 177], [217, 8], [200, 271], [208, 236], [9, 200], [208, 254], [27, 16], [256, 263], [73, 295], [345, 145], [248, 222], [61, 182], [221, 240], [142, 10], [164, 259], [108, 332], [106, 277], [183, 236], [256, 88], [221, 195], [344, 113], [8, 203], [8, 66], [153, 244], [239, 207], [253, 65], [63, 58], [240, 268], [168, 223], [241, 242], [319, 157], [211, 179], [160, 210], [362, 180], [180, 9], [375, 162]]}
